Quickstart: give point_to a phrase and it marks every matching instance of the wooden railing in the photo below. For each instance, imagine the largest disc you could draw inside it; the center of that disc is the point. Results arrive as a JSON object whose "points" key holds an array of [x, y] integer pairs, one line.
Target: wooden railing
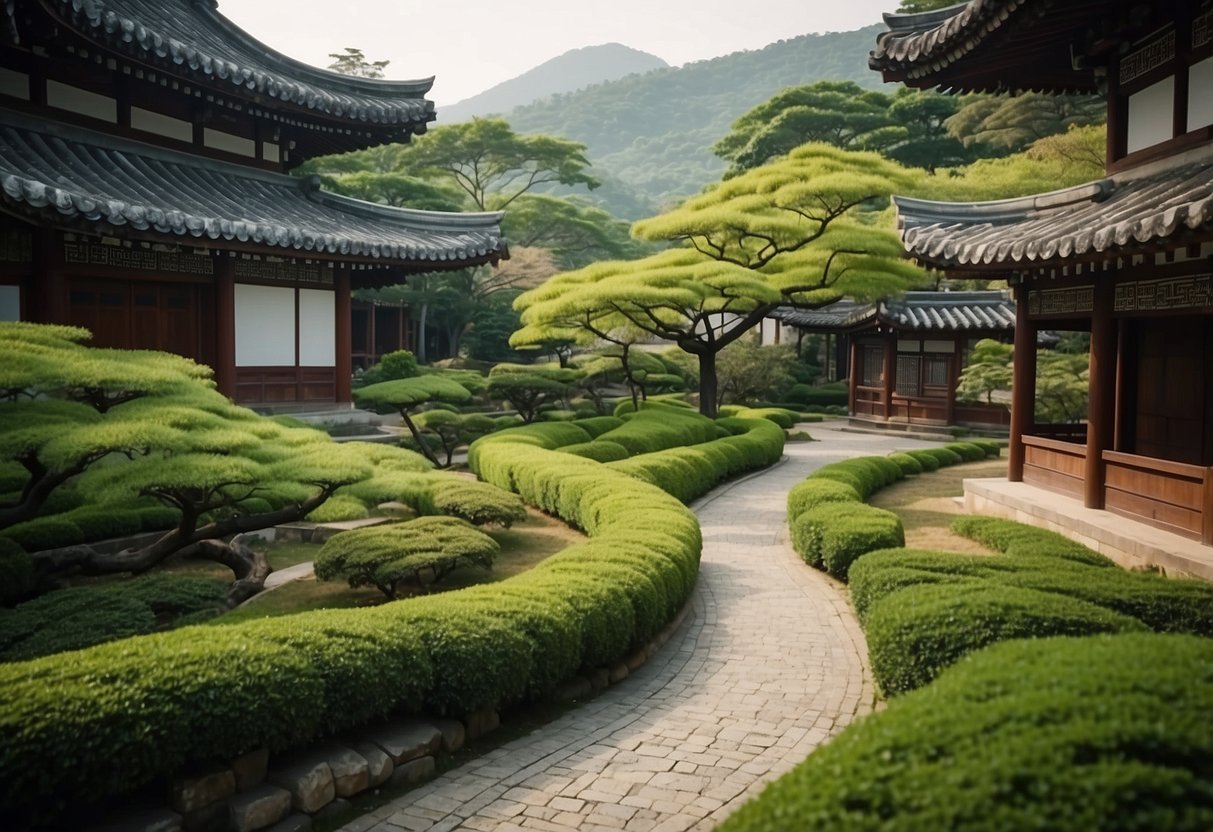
{"points": [[1054, 465], [276, 385], [869, 401], [1171, 495], [982, 414]]}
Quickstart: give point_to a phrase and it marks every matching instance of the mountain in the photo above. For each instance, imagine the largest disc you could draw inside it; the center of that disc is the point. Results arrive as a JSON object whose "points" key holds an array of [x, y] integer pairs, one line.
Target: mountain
{"points": [[651, 134], [571, 71]]}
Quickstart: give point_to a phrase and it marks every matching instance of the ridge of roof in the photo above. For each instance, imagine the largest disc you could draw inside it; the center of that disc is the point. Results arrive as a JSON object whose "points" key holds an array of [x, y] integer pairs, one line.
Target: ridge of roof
{"points": [[198, 40]]}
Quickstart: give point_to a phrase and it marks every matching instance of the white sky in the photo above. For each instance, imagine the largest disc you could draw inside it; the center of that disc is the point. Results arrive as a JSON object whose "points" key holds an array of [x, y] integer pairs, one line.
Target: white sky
{"points": [[473, 44]]}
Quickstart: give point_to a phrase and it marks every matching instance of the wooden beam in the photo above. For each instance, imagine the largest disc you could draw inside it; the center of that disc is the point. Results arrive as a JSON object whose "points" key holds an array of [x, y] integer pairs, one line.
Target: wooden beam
{"points": [[1023, 385], [853, 370], [344, 335], [1101, 401], [225, 325], [890, 373]]}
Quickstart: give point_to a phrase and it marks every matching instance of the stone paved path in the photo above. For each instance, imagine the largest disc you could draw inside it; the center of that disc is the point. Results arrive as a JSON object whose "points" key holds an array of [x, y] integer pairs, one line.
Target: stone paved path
{"points": [[769, 663]]}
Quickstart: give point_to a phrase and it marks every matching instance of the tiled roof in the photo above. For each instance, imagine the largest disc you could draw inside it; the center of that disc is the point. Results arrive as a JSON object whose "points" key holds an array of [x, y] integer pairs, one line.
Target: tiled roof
{"points": [[193, 39], [918, 311], [955, 47], [78, 177], [1112, 216]]}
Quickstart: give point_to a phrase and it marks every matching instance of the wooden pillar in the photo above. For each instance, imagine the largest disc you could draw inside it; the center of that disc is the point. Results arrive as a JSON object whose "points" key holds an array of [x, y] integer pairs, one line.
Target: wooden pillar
{"points": [[954, 378], [855, 368], [1023, 385], [1206, 534], [225, 324], [890, 373], [49, 302], [1101, 401], [827, 357], [372, 339], [344, 335]]}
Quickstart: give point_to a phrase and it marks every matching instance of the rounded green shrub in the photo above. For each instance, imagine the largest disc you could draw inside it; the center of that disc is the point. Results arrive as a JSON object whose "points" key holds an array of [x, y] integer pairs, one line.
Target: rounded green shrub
{"points": [[158, 518], [916, 632], [945, 456], [595, 426], [909, 465], [338, 509], [928, 460], [967, 451], [1018, 539], [812, 492], [1066, 734], [832, 535], [599, 451], [97, 524], [44, 533], [479, 503]]}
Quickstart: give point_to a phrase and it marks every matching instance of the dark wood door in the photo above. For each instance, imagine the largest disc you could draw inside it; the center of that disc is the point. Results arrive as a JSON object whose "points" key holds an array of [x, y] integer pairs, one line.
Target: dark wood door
{"points": [[144, 316], [1172, 390]]}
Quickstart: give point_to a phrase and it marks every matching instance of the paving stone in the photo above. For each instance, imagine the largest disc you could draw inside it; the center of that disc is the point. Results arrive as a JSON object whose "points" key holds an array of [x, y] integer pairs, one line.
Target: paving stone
{"points": [[259, 807], [308, 778], [768, 664], [404, 741], [196, 791]]}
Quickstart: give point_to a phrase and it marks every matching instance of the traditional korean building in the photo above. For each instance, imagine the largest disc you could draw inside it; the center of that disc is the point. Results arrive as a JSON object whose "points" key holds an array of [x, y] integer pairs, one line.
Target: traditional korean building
{"points": [[1126, 257], [144, 153], [907, 354]]}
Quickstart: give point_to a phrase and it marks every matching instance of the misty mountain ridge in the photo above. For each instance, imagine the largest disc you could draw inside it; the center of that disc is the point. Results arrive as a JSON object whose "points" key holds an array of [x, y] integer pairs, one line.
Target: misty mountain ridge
{"points": [[649, 136], [565, 73]]}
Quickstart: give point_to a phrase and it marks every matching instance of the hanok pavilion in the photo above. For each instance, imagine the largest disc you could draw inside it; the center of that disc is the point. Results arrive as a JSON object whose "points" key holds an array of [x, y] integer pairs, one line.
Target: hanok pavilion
{"points": [[908, 353], [144, 151], [1126, 258]]}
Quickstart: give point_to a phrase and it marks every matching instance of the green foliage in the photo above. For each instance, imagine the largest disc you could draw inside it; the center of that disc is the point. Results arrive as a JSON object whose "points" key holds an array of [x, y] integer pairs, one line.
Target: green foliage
{"points": [[604, 451], [44, 533], [526, 392], [814, 491], [909, 465], [71, 619], [495, 165], [17, 578], [929, 461], [1012, 123], [394, 365], [479, 503], [821, 395], [1009, 738], [448, 431], [598, 425], [405, 557], [339, 509], [656, 428], [748, 372], [832, 536], [987, 371], [783, 417], [575, 232], [405, 394]]}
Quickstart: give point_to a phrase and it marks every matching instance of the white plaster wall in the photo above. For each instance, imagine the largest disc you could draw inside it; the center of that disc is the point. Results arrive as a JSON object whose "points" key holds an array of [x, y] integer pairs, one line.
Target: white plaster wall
{"points": [[229, 143], [76, 100], [265, 326], [10, 303], [161, 125], [317, 328], [1151, 115], [1200, 94]]}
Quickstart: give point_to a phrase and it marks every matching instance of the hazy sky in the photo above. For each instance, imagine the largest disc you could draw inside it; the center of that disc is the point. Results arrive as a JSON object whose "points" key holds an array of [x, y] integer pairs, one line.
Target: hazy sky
{"points": [[473, 44]]}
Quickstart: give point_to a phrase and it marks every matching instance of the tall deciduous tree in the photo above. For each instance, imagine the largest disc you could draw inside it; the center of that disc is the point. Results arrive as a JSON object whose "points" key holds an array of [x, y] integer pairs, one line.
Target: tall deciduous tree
{"points": [[493, 164], [800, 231], [1009, 123]]}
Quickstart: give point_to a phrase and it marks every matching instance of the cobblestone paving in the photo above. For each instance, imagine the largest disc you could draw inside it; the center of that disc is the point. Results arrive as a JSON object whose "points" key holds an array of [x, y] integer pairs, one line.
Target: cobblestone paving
{"points": [[769, 664]]}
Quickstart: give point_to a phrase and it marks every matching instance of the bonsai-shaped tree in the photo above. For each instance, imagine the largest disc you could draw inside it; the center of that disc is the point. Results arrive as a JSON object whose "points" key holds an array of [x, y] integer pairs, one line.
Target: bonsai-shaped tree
{"points": [[407, 395], [449, 431], [404, 558], [529, 386]]}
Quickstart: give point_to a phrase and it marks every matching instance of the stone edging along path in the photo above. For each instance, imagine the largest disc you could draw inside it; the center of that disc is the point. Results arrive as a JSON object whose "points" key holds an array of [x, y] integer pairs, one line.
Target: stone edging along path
{"points": [[769, 663]]}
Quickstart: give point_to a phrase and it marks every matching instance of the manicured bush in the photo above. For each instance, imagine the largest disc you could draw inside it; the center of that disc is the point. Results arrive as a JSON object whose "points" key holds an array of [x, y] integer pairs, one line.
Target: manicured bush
{"points": [[909, 465], [812, 492], [657, 428], [945, 455], [832, 535], [598, 425], [1066, 734], [1018, 539], [916, 632], [44, 533], [338, 509], [404, 557], [70, 619], [866, 474], [97, 524], [968, 451], [604, 451], [158, 518], [557, 415], [928, 460], [992, 447], [834, 393], [17, 579], [478, 503], [786, 419]]}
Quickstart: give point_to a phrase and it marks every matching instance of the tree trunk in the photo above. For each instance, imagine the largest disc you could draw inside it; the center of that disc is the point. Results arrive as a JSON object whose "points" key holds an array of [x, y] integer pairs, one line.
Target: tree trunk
{"points": [[707, 384], [250, 568], [425, 311], [425, 449]]}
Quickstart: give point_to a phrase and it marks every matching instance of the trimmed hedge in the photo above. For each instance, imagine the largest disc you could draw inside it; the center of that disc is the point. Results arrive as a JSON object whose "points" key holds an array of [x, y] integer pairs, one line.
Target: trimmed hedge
{"points": [[909, 465], [130, 711], [1066, 734], [599, 451], [658, 428], [17, 577], [923, 609], [832, 536], [783, 417]]}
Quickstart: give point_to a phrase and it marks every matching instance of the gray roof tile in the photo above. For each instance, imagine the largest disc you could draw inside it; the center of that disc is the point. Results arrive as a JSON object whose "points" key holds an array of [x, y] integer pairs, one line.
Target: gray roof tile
{"points": [[916, 311], [197, 41], [89, 177], [1111, 216]]}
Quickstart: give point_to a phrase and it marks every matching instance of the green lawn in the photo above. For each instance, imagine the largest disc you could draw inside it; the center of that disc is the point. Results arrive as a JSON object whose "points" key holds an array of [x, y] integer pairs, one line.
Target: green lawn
{"points": [[926, 505]]}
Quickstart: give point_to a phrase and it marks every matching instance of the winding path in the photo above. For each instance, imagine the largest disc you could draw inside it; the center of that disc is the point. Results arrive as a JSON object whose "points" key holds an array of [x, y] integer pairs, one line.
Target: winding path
{"points": [[769, 663]]}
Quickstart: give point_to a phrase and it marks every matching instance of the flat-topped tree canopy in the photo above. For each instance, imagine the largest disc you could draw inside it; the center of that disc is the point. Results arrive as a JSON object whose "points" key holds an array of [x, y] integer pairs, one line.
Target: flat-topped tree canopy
{"points": [[190, 41], [1059, 46], [925, 312], [1168, 203], [84, 181]]}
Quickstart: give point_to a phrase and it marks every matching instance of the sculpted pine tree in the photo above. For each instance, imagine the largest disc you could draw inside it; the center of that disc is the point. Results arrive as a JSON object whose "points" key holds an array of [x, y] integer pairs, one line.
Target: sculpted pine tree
{"points": [[166, 436], [802, 231], [407, 395]]}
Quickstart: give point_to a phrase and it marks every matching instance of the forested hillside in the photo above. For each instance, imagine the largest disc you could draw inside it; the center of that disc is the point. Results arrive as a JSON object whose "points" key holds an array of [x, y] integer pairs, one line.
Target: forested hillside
{"points": [[573, 70], [653, 133]]}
